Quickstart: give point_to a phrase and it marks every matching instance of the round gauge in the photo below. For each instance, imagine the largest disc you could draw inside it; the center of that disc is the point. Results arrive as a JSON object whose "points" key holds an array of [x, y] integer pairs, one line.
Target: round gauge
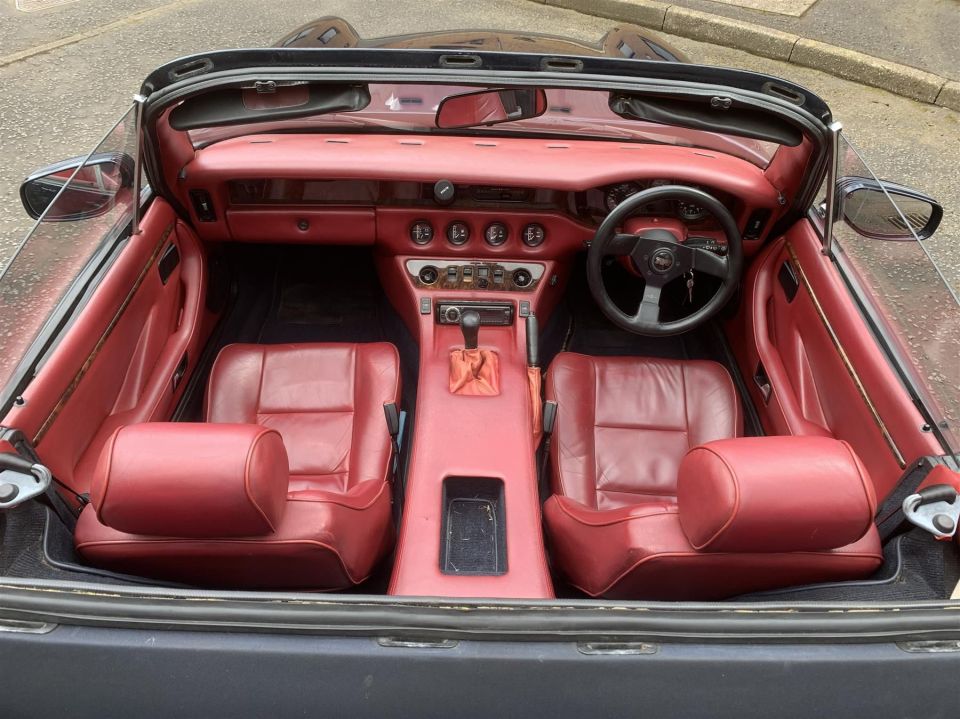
{"points": [[421, 232], [618, 193], [690, 212], [458, 233], [495, 234], [534, 235]]}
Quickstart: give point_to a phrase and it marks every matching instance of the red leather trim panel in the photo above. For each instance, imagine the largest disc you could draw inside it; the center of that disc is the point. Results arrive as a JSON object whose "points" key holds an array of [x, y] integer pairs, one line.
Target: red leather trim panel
{"points": [[192, 480], [293, 225], [114, 366], [774, 494], [813, 392]]}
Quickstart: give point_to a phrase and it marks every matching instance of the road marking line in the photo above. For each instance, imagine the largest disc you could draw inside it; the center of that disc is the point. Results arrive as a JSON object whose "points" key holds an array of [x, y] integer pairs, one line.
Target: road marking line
{"points": [[34, 5], [81, 36]]}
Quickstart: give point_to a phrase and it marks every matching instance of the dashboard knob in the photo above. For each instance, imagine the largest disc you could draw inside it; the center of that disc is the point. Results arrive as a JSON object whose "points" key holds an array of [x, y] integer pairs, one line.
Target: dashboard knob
{"points": [[452, 315], [444, 192]]}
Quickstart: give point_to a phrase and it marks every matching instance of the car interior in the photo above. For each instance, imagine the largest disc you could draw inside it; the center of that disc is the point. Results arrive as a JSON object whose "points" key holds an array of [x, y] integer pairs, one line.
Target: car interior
{"points": [[498, 365]]}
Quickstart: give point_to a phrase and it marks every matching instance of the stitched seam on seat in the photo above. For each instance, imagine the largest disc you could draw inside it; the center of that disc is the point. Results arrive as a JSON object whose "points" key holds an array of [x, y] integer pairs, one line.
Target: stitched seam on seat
{"points": [[737, 424], [304, 411], [644, 492], [662, 555], [686, 412], [353, 417], [736, 501], [263, 373], [681, 430], [213, 380], [276, 542], [109, 469], [610, 522], [373, 500], [593, 436], [246, 474], [863, 482]]}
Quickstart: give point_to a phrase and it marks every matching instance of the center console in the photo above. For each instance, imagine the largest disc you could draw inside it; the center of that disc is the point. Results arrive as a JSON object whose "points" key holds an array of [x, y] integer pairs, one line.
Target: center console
{"points": [[471, 524]]}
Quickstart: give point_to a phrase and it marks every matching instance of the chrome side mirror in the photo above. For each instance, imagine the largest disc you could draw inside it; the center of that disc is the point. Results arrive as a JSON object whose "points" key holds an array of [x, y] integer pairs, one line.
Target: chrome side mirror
{"points": [[868, 210], [90, 193]]}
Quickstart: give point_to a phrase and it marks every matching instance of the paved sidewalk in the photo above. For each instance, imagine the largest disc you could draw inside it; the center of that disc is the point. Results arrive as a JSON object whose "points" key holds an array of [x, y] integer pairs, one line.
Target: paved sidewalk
{"points": [[919, 33], [908, 47]]}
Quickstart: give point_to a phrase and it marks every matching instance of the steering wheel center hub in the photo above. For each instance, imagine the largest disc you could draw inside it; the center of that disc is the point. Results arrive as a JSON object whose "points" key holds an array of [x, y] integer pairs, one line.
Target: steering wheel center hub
{"points": [[662, 261]]}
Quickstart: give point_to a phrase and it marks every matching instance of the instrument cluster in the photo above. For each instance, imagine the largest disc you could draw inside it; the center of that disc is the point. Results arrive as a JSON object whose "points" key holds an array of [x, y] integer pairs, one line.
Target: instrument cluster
{"points": [[602, 200], [459, 232]]}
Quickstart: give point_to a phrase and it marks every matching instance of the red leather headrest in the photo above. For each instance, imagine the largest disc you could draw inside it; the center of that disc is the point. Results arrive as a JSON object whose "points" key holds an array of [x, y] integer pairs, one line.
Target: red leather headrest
{"points": [[192, 480], [774, 494]]}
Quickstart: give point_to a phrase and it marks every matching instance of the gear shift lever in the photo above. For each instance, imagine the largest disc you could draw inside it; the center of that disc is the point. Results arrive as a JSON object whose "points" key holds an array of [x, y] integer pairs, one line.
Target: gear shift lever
{"points": [[470, 326]]}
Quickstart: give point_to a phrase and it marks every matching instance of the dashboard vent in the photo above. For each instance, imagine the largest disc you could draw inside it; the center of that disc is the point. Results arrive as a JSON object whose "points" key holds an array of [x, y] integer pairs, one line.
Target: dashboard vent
{"points": [[485, 193]]}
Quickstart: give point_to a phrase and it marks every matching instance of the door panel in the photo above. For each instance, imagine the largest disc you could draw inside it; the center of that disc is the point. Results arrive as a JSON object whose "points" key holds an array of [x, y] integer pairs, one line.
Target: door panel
{"points": [[827, 375], [116, 363]]}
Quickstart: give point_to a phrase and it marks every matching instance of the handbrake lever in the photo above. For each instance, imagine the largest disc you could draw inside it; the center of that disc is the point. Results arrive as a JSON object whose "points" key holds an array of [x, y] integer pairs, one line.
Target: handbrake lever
{"points": [[533, 338]]}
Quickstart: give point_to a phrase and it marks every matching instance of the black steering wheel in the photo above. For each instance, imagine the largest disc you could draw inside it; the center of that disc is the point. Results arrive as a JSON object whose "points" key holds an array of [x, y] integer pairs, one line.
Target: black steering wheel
{"points": [[660, 256]]}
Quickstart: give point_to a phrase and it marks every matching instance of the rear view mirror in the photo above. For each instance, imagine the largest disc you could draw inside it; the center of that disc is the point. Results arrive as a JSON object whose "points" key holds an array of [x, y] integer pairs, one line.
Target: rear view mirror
{"points": [[868, 210], [490, 107], [89, 194]]}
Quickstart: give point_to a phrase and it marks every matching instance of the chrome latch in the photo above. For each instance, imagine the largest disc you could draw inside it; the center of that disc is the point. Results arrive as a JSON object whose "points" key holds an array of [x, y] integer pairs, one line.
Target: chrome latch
{"points": [[935, 509]]}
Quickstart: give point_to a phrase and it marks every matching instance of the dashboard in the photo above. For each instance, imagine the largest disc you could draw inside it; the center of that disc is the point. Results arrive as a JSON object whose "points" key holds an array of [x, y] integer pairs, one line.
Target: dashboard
{"points": [[503, 199], [588, 207]]}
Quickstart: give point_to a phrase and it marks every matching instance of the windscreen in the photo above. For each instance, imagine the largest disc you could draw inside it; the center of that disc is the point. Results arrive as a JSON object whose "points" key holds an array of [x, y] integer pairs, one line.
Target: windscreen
{"points": [[572, 113]]}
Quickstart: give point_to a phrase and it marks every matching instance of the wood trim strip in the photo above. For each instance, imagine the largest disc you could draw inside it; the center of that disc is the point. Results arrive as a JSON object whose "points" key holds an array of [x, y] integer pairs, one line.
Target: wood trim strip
{"points": [[845, 358], [88, 363]]}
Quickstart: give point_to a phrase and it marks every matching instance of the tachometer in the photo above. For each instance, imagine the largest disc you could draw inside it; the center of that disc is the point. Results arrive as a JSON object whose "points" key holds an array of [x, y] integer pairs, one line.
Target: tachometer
{"points": [[616, 194]]}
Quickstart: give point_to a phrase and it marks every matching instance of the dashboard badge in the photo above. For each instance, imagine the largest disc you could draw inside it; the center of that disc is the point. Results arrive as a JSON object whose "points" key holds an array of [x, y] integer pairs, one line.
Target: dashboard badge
{"points": [[662, 261]]}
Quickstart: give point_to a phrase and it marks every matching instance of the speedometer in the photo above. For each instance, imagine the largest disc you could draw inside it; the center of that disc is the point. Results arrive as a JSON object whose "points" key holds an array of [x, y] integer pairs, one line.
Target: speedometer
{"points": [[616, 194], [690, 212]]}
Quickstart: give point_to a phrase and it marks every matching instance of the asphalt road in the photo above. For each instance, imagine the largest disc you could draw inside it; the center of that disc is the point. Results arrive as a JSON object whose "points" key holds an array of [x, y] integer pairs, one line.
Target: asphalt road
{"points": [[70, 70]]}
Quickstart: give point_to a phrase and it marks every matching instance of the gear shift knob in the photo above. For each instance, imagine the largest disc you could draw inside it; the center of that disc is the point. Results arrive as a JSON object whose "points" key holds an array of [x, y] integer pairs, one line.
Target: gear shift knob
{"points": [[470, 326]]}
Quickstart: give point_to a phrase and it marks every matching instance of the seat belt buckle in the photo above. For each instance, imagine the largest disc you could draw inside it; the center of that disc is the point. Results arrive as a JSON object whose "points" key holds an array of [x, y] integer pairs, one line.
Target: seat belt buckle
{"points": [[549, 417], [936, 509], [394, 418]]}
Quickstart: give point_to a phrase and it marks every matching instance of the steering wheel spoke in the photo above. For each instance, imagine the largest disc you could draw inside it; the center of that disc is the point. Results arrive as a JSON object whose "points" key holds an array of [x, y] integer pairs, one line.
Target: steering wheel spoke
{"points": [[709, 263], [621, 245], [648, 313]]}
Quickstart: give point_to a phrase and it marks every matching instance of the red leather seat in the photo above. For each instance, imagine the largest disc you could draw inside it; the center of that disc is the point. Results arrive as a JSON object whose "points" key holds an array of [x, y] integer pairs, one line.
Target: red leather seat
{"points": [[656, 498], [174, 500]]}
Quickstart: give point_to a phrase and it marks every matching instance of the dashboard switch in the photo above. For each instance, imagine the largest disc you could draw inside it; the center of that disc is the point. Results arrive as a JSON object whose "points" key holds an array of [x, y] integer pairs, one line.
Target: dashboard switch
{"points": [[203, 205]]}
